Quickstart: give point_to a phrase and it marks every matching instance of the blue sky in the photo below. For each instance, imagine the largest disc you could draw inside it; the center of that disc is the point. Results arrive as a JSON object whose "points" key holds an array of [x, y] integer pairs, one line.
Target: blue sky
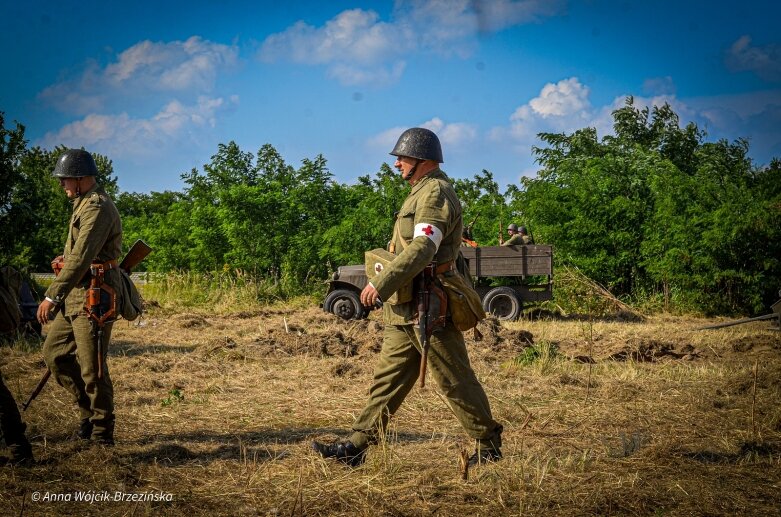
{"points": [[156, 86]]}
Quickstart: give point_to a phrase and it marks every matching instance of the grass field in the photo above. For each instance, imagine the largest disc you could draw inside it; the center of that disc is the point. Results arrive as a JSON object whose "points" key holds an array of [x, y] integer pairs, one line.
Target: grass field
{"points": [[216, 412]]}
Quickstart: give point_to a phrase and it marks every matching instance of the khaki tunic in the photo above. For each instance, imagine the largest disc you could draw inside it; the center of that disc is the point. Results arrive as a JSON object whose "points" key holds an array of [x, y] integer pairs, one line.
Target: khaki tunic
{"points": [[432, 200], [70, 349], [94, 234], [515, 240]]}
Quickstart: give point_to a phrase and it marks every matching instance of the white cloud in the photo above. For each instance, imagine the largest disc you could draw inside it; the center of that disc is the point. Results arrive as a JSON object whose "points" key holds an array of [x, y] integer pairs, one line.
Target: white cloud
{"points": [[564, 107], [352, 75], [765, 61], [495, 15], [562, 99], [451, 136], [122, 136], [353, 35], [659, 86], [357, 47], [178, 66]]}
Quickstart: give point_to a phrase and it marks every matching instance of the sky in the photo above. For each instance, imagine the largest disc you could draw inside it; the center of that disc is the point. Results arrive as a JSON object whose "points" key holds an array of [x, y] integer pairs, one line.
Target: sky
{"points": [[157, 86]]}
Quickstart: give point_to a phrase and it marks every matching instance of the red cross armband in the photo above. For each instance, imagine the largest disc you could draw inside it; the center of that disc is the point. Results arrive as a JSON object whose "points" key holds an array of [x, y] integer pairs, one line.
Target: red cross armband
{"points": [[429, 231]]}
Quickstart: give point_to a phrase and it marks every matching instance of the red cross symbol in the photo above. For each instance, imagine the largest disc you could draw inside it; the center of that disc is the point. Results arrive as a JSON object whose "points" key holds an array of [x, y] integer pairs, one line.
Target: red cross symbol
{"points": [[377, 267], [428, 230]]}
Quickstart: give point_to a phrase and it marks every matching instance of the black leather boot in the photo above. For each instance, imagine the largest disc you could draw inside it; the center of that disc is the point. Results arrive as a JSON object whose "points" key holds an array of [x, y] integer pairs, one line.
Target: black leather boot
{"points": [[103, 433], [345, 452], [485, 456], [21, 451], [85, 429]]}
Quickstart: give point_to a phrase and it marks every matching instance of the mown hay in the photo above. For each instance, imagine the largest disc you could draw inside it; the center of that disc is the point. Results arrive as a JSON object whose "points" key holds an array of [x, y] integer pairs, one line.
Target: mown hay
{"points": [[624, 418]]}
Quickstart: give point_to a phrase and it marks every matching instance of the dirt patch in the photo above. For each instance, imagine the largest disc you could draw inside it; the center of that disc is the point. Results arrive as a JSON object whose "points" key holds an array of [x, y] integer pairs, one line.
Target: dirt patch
{"points": [[651, 350], [190, 321]]}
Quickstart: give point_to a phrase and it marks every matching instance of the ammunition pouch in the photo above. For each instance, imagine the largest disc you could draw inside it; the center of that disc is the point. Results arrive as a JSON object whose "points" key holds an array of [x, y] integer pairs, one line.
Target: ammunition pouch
{"points": [[376, 261]]}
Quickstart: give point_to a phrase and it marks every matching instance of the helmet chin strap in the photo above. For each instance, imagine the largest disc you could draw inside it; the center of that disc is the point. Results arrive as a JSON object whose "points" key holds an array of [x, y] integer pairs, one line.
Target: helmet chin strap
{"points": [[412, 170]]}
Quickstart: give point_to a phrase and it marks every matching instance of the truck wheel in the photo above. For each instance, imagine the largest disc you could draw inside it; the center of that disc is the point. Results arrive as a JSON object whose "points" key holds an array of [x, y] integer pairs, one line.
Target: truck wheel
{"points": [[344, 304], [503, 303]]}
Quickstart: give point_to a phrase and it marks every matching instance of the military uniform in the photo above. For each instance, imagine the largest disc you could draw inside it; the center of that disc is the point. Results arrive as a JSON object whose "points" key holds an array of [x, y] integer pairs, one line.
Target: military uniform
{"points": [[515, 240], [428, 227], [11, 425], [70, 349]]}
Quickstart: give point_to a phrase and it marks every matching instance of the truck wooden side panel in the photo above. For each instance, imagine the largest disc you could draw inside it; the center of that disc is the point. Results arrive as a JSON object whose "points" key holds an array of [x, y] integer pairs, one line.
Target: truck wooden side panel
{"points": [[520, 261]]}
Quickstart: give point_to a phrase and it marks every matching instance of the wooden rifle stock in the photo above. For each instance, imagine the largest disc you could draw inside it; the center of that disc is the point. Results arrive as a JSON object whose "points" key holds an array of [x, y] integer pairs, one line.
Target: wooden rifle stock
{"points": [[137, 252]]}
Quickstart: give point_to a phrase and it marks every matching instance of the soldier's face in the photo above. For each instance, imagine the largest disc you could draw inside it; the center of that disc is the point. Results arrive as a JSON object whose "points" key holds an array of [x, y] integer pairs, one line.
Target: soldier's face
{"points": [[70, 186], [404, 165]]}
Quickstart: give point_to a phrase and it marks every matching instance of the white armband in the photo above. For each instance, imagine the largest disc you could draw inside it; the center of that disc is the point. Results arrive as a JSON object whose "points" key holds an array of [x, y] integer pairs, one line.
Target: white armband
{"points": [[430, 231]]}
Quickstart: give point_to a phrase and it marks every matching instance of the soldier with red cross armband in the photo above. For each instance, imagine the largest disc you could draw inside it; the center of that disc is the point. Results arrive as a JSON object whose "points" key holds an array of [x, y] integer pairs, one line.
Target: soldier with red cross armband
{"points": [[428, 229]]}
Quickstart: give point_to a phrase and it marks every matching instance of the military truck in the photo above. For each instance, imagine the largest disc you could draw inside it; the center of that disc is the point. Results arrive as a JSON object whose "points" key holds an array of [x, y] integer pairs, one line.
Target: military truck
{"points": [[506, 277]]}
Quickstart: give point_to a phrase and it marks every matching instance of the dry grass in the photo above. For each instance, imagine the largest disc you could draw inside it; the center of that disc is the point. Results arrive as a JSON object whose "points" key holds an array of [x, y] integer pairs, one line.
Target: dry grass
{"points": [[604, 418]]}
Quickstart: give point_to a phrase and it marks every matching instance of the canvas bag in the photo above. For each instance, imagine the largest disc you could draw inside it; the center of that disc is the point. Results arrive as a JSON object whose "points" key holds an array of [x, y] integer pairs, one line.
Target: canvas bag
{"points": [[466, 310], [131, 304]]}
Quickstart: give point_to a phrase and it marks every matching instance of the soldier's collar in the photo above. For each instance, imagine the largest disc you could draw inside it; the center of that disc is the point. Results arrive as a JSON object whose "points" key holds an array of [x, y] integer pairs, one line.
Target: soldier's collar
{"points": [[434, 174], [84, 195]]}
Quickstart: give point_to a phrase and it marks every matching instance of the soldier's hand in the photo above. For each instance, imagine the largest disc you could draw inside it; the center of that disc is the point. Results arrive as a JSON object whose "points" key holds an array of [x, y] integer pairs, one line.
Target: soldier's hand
{"points": [[369, 296], [44, 309]]}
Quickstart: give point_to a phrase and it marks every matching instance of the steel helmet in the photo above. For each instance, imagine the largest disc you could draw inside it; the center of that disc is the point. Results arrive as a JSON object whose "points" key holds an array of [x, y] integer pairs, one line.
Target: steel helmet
{"points": [[419, 143], [75, 163], [513, 227]]}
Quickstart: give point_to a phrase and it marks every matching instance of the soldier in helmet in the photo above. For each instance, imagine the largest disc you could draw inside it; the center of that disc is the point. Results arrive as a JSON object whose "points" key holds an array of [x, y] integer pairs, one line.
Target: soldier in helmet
{"points": [[527, 239], [512, 231], [517, 236], [428, 228], [73, 341]]}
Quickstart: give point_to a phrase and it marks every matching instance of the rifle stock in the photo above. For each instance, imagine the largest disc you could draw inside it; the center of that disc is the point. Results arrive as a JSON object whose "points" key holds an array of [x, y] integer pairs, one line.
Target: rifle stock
{"points": [[137, 252]]}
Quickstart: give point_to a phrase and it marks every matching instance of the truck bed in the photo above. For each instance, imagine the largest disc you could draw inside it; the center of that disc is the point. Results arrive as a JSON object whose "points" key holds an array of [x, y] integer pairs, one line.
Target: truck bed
{"points": [[517, 261]]}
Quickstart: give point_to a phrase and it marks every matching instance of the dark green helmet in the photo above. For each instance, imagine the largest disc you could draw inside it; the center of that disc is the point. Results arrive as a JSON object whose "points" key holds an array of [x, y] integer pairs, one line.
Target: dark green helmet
{"points": [[75, 163], [513, 227], [419, 143]]}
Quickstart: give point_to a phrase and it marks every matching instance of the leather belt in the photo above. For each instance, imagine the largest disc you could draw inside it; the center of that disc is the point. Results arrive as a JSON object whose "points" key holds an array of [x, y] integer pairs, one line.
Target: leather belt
{"points": [[444, 268], [109, 265]]}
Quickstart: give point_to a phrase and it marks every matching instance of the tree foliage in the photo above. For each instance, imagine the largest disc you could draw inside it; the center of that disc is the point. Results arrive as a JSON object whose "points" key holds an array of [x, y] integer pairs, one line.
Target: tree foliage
{"points": [[653, 212], [654, 208]]}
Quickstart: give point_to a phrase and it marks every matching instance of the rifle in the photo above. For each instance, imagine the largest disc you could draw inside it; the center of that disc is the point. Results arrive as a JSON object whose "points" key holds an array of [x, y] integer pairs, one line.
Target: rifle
{"points": [[137, 252], [38, 389], [432, 312], [501, 235]]}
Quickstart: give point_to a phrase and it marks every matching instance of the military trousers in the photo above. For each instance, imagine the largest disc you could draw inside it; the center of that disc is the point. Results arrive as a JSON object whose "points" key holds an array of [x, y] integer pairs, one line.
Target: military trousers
{"points": [[11, 423], [448, 364], [71, 353]]}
